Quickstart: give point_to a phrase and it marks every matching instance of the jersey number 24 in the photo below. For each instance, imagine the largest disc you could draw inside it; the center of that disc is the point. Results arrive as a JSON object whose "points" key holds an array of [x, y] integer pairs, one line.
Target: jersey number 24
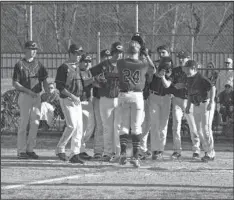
{"points": [[131, 77]]}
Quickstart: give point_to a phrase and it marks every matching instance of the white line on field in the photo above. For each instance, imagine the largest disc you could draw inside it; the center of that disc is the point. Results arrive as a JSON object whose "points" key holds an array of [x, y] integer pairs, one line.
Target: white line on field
{"points": [[46, 181]]}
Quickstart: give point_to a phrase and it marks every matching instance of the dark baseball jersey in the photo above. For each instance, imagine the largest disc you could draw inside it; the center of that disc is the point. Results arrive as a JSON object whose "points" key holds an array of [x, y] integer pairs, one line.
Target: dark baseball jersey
{"points": [[30, 74], [69, 78], [178, 76], [157, 86], [132, 74], [198, 88], [109, 89], [86, 95]]}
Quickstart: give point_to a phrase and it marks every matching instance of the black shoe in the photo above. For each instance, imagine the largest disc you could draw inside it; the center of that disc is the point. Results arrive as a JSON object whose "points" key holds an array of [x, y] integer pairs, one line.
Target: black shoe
{"points": [[157, 155], [196, 156], [97, 156], [123, 159], [105, 158], [207, 158], [175, 155], [23, 156], [145, 155], [62, 156], [85, 156], [76, 159], [32, 155]]}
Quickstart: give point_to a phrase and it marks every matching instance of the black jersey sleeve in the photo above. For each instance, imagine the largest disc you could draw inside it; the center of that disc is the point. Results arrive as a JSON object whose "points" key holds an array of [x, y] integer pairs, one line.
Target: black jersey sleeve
{"points": [[61, 78]]}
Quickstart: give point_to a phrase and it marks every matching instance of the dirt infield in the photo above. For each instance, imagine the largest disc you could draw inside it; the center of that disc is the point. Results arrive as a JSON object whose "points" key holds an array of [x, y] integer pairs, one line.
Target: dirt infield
{"points": [[49, 178]]}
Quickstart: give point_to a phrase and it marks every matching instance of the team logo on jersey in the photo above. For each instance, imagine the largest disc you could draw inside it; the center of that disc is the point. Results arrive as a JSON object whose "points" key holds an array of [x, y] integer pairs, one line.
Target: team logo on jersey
{"points": [[119, 47]]}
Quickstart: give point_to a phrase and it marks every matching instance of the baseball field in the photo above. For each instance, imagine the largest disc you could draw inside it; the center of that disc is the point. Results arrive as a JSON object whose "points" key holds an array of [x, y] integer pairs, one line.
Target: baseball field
{"points": [[50, 178]]}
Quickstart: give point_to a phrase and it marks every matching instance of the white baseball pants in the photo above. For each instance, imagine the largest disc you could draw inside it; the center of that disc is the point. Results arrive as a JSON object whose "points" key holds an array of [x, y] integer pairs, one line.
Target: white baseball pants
{"points": [[203, 119], [145, 126], [88, 120], [74, 127], [178, 108], [109, 114], [131, 108], [159, 115], [30, 110], [47, 112]]}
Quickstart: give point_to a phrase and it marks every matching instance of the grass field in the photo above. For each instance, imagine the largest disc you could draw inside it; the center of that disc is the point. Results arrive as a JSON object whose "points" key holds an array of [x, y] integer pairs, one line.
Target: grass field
{"points": [[49, 178]]}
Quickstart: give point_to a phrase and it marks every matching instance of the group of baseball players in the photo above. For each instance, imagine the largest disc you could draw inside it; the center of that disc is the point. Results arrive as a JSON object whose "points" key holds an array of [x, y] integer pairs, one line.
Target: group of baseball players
{"points": [[129, 97]]}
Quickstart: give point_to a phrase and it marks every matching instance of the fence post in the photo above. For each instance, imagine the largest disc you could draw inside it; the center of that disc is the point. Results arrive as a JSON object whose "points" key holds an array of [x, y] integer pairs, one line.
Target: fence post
{"points": [[30, 20], [192, 46], [98, 47], [136, 17]]}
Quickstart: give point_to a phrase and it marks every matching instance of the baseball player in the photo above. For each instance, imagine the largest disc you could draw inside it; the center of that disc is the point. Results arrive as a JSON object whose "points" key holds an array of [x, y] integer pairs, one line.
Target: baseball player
{"points": [[225, 76], [98, 134], [70, 85], [28, 77], [132, 73], [109, 92], [159, 104], [179, 102], [198, 94], [86, 102], [144, 151]]}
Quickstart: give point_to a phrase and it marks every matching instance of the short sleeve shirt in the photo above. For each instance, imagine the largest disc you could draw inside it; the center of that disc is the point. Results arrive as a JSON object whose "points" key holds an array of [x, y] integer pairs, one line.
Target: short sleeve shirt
{"points": [[30, 74]]}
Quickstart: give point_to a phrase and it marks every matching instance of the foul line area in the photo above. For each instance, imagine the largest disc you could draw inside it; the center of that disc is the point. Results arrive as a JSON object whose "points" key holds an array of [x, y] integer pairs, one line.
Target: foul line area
{"points": [[46, 181]]}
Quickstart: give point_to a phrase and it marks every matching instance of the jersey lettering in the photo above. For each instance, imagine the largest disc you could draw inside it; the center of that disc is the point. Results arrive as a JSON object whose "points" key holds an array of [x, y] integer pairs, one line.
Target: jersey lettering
{"points": [[129, 76]]}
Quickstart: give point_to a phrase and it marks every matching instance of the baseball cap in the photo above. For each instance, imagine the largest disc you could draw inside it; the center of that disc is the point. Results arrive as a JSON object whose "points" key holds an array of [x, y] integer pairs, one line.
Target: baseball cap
{"points": [[183, 54], [137, 37], [229, 60], [117, 47], [191, 63], [164, 47], [74, 48], [30, 45], [105, 53], [85, 58]]}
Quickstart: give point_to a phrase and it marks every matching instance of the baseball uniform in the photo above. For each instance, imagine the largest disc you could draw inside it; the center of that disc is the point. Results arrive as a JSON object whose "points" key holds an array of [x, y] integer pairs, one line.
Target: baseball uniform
{"points": [[30, 75], [68, 77], [132, 81], [179, 103], [198, 94], [159, 105], [108, 104]]}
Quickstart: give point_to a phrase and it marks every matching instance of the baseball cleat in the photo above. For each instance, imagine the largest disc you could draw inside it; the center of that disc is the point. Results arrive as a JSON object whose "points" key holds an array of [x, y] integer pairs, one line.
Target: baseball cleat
{"points": [[135, 162], [145, 155], [207, 158], [175, 155], [23, 156], [105, 158], [122, 159], [196, 156], [97, 156], [32, 155], [62, 156], [114, 159], [76, 159], [85, 156], [157, 155]]}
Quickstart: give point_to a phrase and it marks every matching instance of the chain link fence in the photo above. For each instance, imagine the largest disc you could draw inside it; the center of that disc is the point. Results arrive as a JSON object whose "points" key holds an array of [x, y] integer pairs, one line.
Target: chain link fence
{"points": [[204, 29]]}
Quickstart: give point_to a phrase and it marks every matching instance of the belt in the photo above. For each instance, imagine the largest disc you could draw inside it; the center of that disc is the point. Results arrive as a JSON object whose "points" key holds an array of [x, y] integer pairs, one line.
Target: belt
{"points": [[125, 91], [156, 93]]}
